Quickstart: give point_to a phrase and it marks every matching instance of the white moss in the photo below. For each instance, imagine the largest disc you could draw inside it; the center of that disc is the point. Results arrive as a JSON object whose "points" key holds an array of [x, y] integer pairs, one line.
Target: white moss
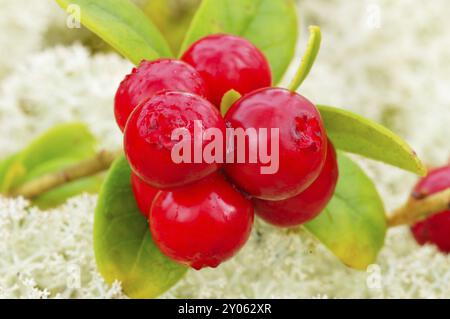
{"points": [[59, 85], [397, 74], [49, 254], [23, 28]]}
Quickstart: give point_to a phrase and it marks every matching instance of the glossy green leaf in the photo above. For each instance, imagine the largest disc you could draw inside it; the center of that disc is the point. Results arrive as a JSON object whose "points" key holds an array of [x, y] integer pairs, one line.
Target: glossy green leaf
{"points": [[122, 25], [308, 59], [72, 140], [60, 147], [270, 25], [59, 195], [228, 100], [49, 166], [124, 249], [7, 172], [355, 134], [353, 225], [172, 18]]}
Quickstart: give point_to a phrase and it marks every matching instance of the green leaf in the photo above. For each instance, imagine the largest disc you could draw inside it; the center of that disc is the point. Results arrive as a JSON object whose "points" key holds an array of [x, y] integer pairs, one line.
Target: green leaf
{"points": [[355, 134], [353, 225], [72, 140], [59, 195], [228, 100], [270, 25], [60, 147], [124, 249], [7, 172], [122, 25], [308, 59], [172, 18]]}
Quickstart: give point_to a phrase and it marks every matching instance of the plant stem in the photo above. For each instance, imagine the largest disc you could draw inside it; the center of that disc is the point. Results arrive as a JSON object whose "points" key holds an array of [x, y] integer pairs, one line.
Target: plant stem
{"points": [[99, 163], [417, 209], [308, 59]]}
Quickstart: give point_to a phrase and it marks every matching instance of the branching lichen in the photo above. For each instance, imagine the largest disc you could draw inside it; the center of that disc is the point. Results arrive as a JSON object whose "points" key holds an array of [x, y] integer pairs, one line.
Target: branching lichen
{"points": [[49, 254]]}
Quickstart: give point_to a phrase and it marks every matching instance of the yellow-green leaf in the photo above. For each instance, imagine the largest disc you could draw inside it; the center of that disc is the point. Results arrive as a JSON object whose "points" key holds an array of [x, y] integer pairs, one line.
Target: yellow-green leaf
{"points": [[355, 134], [71, 140], [7, 172], [353, 225], [123, 245], [228, 100], [172, 18], [122, 25], [308, 59], [59, 195], [58, 148]]}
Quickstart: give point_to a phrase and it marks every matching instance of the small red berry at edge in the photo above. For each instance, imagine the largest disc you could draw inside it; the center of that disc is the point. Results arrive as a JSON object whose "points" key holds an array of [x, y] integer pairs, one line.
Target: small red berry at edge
{"points": [[436, 228]]}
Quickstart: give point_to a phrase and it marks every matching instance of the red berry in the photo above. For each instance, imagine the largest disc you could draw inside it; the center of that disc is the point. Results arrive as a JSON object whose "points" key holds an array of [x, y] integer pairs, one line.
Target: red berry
{"points": [[302, 143], [229, 62], [435, 229], [151, 78], [143, 194], [308, 204], [203, 224], [148, 138]]}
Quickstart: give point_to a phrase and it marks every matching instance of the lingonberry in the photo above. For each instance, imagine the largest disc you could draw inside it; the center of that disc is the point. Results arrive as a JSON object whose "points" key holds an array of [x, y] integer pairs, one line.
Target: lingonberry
{"points": [[435, 229], [229, 62], [295, 137], [149, 142], [144, 194], [203, 224], [306, 205], [151, 78]]}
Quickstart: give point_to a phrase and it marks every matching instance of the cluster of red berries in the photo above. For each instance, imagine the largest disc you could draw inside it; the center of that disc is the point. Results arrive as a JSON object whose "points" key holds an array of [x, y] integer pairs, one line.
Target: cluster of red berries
{"points": [[201, 213], [435, 229]]}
